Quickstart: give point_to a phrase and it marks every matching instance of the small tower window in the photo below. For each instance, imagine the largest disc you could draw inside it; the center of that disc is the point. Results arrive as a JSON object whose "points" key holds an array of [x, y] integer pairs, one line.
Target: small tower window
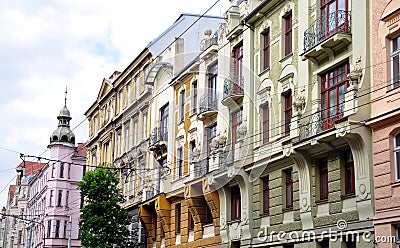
{"points": [[64, 138], [55, 138]]}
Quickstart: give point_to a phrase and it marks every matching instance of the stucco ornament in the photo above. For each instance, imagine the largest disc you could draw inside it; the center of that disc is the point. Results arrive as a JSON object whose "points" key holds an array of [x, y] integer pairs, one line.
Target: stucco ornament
{"points": [[196, 152], [243, 129], [355, 73], [219, 142], [300, 101]]}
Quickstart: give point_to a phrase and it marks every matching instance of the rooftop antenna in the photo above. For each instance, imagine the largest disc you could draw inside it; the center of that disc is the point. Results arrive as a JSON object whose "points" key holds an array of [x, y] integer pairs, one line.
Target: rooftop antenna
{"points": [[65, 95]]}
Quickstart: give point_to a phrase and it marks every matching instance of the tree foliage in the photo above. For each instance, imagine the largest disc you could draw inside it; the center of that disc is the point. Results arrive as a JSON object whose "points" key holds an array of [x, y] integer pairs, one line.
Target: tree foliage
{"points": [[104, 221]]}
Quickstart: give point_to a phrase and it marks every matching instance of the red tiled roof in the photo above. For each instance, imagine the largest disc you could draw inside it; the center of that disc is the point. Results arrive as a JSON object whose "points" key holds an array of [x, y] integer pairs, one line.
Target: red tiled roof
{"points": [[82, 149], [11, 192], [31, 167]]}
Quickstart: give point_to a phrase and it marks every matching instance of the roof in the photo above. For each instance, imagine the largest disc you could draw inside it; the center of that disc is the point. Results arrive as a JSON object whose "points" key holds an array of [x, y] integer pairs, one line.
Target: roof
{"points": [[11, 191], [81, 150], [31, 168]]}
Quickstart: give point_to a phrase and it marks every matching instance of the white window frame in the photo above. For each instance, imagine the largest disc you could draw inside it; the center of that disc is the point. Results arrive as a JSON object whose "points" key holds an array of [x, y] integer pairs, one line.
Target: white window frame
{"points": [[392, 55], [396, 151]]}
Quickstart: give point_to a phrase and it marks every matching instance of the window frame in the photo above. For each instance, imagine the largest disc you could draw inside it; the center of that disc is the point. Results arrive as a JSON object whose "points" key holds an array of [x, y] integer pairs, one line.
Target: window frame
{"points": [[323, 179], [178, 212], [179, 162], [59, 198], [181, 106], [236, 203], [266, 195], [349, 166], [396, 157], [288, 111], [238, 53], [266, 50], [194, 96], [288, 35], [395, 52], [265, 123], [288, 188]]}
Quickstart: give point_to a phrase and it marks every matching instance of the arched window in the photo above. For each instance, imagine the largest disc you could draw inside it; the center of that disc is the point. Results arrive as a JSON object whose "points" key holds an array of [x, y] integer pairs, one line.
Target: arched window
{"points": [[55, 138]]}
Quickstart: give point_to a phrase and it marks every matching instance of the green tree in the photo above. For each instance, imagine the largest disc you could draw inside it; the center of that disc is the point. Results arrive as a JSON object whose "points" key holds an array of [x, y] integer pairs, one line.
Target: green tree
{"points": [[104, 221]]}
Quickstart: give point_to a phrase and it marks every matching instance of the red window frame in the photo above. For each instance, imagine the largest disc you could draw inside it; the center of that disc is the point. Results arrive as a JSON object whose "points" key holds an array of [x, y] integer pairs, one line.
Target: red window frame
{"points": [[238, 65], [288, 111], [236, 203], [333, 81], [265, 123], [289, 188], [266, 195], [323, 179], [237, 119], [349, 177], [288, 33], [329, 7], [266, 49]]}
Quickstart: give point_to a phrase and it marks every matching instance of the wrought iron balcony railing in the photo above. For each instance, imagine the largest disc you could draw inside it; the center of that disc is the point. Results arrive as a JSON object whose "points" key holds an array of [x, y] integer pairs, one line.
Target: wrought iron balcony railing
{"points": [[233, 86], [318, 122], [158, 134], [326, 26], [208, 102], [201, 168]]}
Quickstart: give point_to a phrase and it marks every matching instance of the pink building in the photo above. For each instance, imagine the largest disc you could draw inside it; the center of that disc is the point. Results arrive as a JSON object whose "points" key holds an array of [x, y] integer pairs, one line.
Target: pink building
{"points": [[54, 197], [385, 121]]}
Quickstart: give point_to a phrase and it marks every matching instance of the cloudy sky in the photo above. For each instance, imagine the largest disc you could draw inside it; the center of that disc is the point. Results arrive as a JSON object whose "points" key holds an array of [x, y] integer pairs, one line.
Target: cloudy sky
{"points": [[48, 44]]}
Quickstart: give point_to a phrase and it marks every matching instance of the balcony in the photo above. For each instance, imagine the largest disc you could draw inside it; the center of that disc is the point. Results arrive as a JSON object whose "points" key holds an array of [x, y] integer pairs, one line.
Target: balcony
{"points": [[158, 142], [233, 90], [326, 35], [210, 42], [208, 106], [201, 168]]}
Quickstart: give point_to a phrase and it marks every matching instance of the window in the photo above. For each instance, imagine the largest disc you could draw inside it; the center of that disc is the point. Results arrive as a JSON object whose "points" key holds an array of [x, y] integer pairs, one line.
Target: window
{"points": [[398, 236], [69, 171], [397, 155], [236, 122], [266, 37], [323, 243], [118, 152], [287, 112], [288, 33], [144, 124], [135, 133], [66, 198], [164, 122], [65, 229], [333, 17], [51, 198], [333, 87], [212, 72], [48, 228], [323, 179], [61, 170], [191, 221], [53, 171], [288, 188], [194, 97], [265, 123], [182, 105], [95, 124], [266, 195], [127, 138], [59, 198], [235, 203], [57, 232], [141, 176], [179, 162], [211, 132], [19, 237], [349, 173], [178, 218], [238, 68], [395, 61]]}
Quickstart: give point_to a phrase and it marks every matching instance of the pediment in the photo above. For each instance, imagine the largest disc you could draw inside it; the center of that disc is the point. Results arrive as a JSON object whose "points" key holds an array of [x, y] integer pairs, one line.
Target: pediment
{"points": [[106, 86]]}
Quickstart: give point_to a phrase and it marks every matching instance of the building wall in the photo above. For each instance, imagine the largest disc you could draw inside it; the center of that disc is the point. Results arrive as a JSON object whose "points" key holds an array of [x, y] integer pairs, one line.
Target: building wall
{"points": [[385, 119]]}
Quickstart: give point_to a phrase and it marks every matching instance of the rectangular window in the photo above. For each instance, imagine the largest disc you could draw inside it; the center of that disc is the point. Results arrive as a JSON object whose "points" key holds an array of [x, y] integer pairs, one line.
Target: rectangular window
{"points": [[178, 218], [66, 198], [395, 61], [265, 123], [65, 229], [51, 198], [57, 232], [59, 198], [287, 112], [209, 218], [164, 113], [266, 36], [69, 171], [289, 188], [212, 72], [191, 222], [144, 124], [118, 152], [194, 97], [238, 68], [288, 33], [235, 203], [135, 133], [334, 84], [179, 162], [397, 155], [182, 105], [349, 181], [266, 195], [211, 133], [127, 138], [48, 228], [61, 170], [19, 237], [323, 179], [53, 171], [236, 122]]}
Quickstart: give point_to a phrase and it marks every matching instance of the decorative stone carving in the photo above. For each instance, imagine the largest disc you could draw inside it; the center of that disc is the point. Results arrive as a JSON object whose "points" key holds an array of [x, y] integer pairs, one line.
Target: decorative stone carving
{"points": [[300, 101], [218, 142], [221, 33], [243, 129], [196, 152], [355, 73]]}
